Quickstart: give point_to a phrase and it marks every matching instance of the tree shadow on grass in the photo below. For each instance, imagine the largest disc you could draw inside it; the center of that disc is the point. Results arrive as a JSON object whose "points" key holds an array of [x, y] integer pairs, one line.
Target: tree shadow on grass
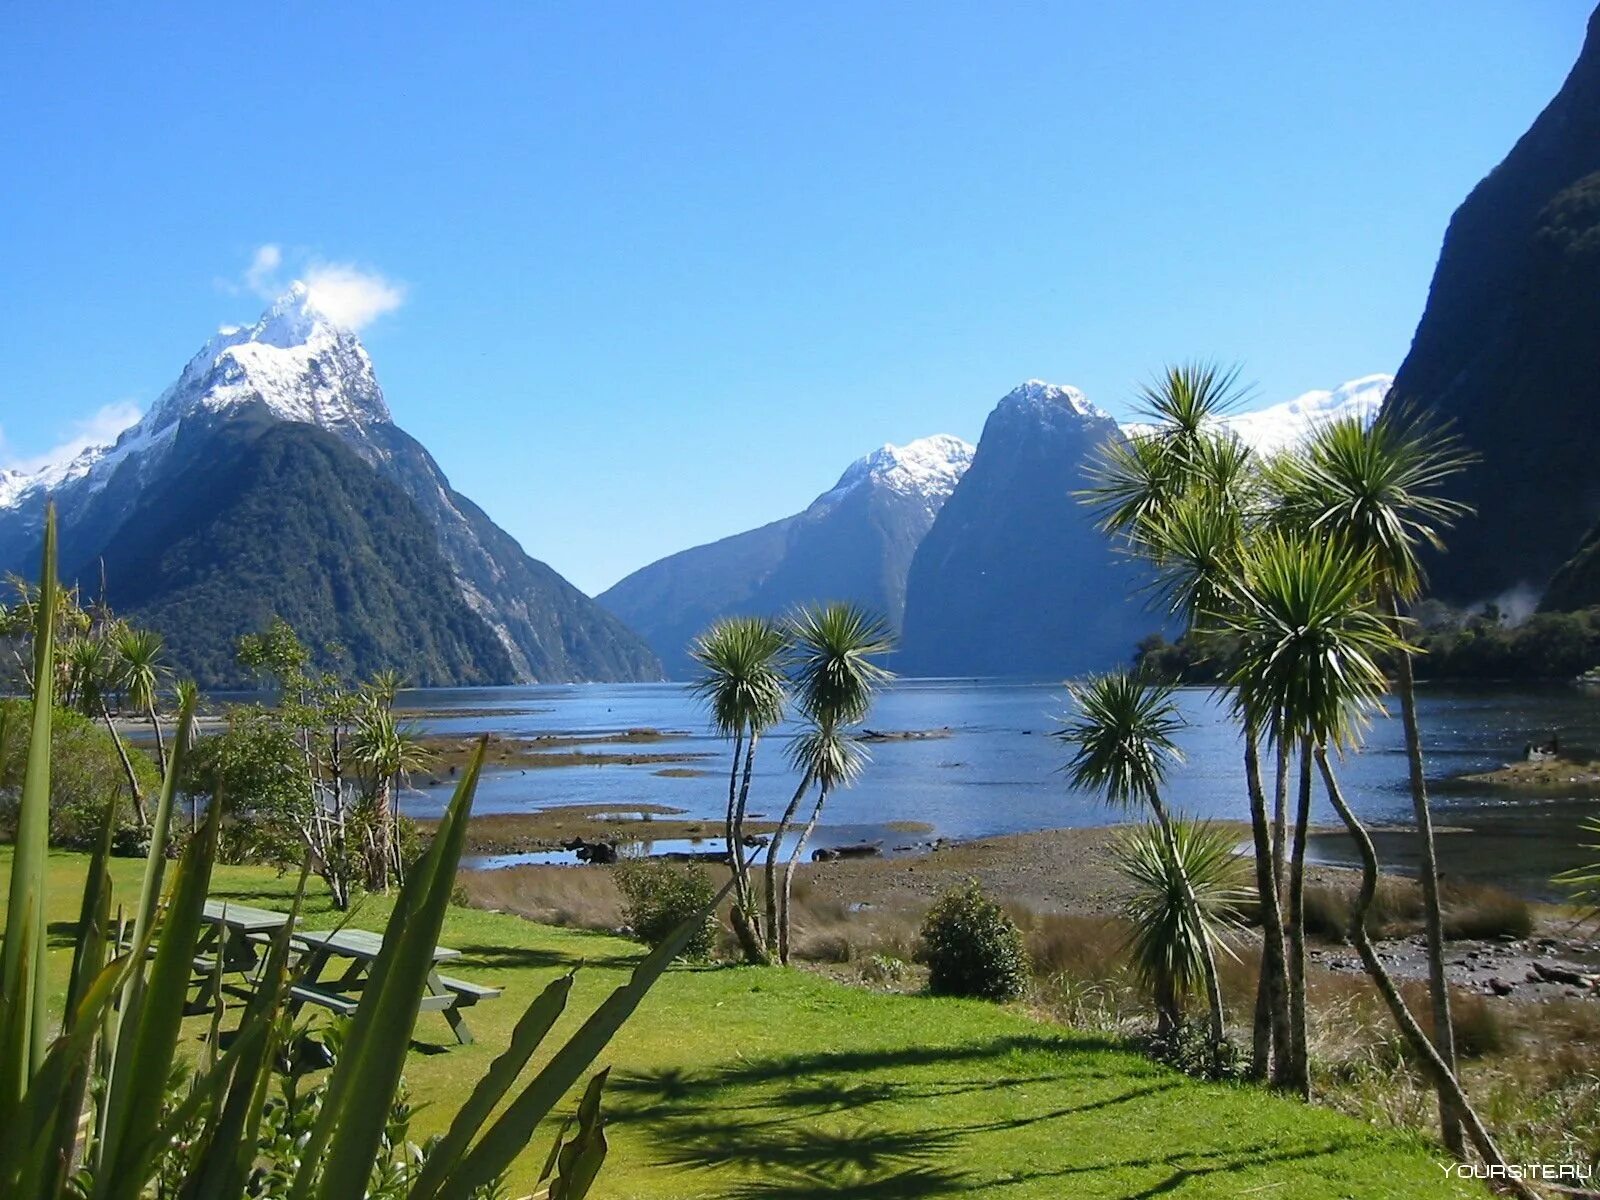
{"points": [[841, 1122], [531, 958], [854, 1123], [1186, 1166]]}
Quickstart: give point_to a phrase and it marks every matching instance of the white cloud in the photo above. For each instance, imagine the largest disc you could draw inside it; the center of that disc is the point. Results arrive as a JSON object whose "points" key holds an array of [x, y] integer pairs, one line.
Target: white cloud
{"points": [[349, 295], [263, 268], [100, 428]]}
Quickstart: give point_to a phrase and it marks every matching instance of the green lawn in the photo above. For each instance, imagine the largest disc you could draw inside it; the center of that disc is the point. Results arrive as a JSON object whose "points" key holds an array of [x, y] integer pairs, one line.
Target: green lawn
{"points": [[738, 1082]]}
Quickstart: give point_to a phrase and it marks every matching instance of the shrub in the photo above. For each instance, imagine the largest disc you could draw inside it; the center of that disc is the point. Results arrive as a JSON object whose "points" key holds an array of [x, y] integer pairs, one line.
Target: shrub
{"points": [[85, 773], [1473, 911], [884, 970], [1396, 910], [1186, 1047], [1479, 1027], [658, 897], [972, 948]]}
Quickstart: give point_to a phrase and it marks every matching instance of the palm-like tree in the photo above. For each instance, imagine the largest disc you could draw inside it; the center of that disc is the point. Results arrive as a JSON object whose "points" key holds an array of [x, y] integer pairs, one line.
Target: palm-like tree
{"points": [[139, 672], [1123, 732], [386, 751], [90, 674], [1312, 641], [1169, 938], [1376, 488], [1185, 495], [742, 682], [832, 648]]}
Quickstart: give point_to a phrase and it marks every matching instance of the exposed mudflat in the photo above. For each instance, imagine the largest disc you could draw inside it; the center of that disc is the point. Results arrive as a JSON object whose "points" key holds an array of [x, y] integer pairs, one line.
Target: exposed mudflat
{"points": [[448, 754], [550, 828]]}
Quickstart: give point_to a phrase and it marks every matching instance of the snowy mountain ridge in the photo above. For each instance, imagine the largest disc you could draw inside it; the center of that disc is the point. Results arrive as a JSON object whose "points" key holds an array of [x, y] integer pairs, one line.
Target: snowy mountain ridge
{"points": [[1280, 426], [929, 467], [293, 359]]}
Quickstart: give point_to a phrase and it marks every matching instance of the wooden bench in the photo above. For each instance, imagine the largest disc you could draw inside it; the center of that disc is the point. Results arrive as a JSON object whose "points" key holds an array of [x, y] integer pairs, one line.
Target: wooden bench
{"points": [[467, 994], [341, 1004], [345, 1004]]}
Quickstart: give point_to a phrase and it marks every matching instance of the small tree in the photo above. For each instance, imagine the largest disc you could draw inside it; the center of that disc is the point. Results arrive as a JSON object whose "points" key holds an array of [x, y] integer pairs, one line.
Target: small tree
{"points": [[835, 678], [1171, 938], [972, 948], [386, 751], [741, 664], [316, 710], [1123, 733]]}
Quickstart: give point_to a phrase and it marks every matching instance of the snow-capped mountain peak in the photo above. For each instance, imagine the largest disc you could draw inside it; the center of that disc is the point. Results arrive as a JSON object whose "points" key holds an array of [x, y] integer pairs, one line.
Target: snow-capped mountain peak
{"points": [[1037, 394], [294, 360], [929, 467]]}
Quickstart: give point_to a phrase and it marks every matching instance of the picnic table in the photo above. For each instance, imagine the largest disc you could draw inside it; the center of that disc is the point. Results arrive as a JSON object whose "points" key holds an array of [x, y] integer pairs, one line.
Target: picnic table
{"points": [[360, 949], [235, 935]]}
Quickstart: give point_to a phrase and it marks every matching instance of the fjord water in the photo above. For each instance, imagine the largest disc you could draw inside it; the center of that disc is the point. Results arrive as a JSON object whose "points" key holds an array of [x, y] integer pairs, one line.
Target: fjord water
{"points": [[999, 770]]}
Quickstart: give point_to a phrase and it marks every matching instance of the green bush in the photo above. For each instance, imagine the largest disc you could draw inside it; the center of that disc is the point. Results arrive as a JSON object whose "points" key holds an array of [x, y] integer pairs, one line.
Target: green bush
{"points": [[85, 773], [659, 897], [972, 948]]}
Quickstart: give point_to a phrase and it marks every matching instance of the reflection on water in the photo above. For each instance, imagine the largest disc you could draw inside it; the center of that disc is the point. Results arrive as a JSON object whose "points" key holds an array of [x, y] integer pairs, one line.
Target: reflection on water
{"points": [[1000, 770]]}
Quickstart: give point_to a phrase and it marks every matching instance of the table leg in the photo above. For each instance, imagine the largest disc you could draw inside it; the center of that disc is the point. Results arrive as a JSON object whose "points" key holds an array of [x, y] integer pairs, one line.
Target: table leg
{"points": [[315, 959], [210, 938], [458, 1023]]}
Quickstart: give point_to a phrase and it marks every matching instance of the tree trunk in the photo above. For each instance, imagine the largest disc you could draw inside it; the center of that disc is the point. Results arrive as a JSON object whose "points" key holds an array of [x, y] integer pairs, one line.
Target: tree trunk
{"points": [[382, 836], [139, 812], [1299, 1054], [788, 877], [744, 917], [1272, 1035], [1444, 1038], [733, 797], [1280, 811], [1168, 1015], [161, 742], [1218, 1029], [772, 862], [1425, 1050]]}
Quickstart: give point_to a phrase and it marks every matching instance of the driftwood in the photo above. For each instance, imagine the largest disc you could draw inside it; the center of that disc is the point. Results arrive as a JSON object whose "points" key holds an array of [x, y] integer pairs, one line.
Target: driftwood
{"points": [[1566, 975]]}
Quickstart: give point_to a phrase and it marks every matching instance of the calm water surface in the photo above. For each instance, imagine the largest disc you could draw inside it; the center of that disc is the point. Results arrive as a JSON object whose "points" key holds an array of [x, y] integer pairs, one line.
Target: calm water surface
{"points": [[999, 770]]}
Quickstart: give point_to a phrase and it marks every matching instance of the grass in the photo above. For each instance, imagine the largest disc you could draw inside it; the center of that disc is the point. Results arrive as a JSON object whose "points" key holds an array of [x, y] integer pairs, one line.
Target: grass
{"points": [[739, 1082], [1469, 910]]}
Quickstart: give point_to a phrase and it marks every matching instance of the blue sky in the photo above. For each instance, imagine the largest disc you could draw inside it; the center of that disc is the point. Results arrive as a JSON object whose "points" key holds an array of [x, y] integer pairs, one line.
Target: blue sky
{"points": [[663, 270]]}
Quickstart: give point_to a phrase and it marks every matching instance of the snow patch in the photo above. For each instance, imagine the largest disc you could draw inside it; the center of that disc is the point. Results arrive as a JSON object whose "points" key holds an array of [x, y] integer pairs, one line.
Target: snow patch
{"points": [[1036, 394], [1278, 427], [928, 468]]}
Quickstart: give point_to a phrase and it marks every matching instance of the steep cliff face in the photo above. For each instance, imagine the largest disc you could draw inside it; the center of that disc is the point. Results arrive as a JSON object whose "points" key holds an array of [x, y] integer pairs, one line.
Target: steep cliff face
{"points": [[1014, 579], [1508, 348], [269, 519]]}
